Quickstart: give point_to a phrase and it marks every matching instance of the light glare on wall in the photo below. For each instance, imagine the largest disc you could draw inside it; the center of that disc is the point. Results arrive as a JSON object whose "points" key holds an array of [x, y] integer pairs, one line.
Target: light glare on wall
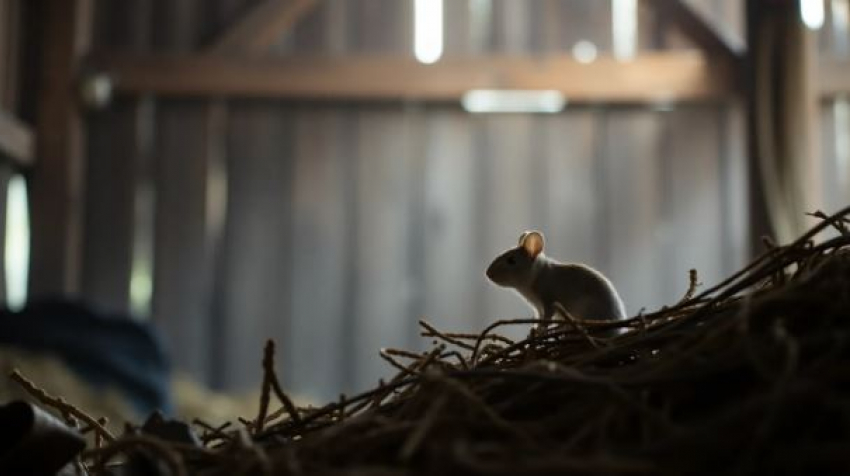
{"points": [[428, 30], [495, 101], [584, 52], [17, 249], [813, 14], [624, 27]]}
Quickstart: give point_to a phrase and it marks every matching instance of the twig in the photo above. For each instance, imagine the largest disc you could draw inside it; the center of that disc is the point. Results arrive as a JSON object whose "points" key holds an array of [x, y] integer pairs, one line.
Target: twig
{"points": [[61, 405]]}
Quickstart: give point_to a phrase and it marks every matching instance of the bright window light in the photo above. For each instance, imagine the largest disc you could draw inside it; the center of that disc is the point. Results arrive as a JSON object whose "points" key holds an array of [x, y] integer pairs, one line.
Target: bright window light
{"points": [[141, 270], [812, 12], [584, 52], [494, 101], [428, 30], [624, 27], [17, 252]]}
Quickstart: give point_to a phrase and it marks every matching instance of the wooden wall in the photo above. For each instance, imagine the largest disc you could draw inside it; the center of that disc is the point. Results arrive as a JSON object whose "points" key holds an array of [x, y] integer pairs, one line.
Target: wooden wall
{"points": [[11, 41], [834, 41], [334, 227]]}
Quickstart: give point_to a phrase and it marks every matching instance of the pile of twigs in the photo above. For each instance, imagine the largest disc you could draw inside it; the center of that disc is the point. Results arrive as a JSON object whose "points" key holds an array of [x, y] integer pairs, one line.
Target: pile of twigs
{"points": [[749, 376]]}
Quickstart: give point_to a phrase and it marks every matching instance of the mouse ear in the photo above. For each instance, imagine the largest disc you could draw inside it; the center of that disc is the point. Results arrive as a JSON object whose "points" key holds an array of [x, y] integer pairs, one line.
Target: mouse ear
{"points": [[532, 241]]}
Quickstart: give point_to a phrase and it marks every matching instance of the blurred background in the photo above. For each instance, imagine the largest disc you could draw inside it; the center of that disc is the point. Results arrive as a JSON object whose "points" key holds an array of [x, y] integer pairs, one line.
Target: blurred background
{"points": [[328, 172]]}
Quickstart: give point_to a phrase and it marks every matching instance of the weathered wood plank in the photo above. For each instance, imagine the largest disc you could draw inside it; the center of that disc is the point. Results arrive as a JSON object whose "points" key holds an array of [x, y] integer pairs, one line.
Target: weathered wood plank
{"points": [[320, 234], [573, 208], [261, 27], [384, 286], [712, 38], [679, 76], [631, 217], [180, 304], [693, 181], [452, 271], [257, 260], [57, 184], [114, 147], [16, 140]]}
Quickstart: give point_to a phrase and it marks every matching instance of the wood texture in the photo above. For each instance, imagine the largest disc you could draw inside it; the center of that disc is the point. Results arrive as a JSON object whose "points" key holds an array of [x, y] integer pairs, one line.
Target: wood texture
{"points": [[58, 184], [16, 140], [257, 256], [650, 78], [632, 216], [384, 287], [452, 266], [181, 261], [712, 38], [320, 229], [348, 219], [114, 149], [261, 27]]}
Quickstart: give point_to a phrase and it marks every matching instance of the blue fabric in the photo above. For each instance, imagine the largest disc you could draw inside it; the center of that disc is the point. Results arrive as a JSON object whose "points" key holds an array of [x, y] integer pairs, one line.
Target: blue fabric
{"points": [[106, 350]]}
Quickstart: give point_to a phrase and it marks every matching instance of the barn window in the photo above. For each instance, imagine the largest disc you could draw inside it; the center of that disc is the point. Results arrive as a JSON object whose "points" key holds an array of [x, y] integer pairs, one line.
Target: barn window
{"points": [[17, 252]]}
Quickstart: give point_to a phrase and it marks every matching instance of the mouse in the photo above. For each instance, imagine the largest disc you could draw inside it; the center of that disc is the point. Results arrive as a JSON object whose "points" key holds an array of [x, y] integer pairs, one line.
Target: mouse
{"points": [[544, 282]]}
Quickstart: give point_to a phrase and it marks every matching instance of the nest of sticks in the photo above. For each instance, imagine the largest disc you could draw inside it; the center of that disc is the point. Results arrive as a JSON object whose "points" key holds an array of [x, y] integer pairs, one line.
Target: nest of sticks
{"points": [[749, 376]]}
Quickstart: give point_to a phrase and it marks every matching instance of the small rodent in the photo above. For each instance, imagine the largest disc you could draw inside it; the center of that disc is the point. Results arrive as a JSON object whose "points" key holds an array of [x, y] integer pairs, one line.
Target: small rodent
{"points": [[584, 292]]}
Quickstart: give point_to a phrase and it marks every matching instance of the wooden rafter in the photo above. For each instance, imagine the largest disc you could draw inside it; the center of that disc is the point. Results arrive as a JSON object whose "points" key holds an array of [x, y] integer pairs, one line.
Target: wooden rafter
{"points": [[261, 27], [715, 41], [16, 139], [648, 78]]}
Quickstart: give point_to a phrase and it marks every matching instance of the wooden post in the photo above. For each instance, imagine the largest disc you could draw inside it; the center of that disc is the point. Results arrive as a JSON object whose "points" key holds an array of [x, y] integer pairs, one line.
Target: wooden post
{"points": [[781, 109], [57, 184]]}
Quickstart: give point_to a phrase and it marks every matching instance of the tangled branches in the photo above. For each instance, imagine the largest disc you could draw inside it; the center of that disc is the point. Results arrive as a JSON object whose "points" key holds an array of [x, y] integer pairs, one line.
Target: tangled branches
{"points": [[748, 376]]}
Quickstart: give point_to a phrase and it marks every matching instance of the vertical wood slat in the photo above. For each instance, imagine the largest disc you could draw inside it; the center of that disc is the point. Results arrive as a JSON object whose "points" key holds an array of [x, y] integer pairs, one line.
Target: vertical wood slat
{"points": [[180, 298], [8, 70], [733, 193], [57, 181], [120, 146], [11, 36], [5, 37], [509, 206], [319, 233], [695, 185], [381, 26], [384, 287], [632, 213], [451, 266], [573, 205], [257, 256], [114, 148]]}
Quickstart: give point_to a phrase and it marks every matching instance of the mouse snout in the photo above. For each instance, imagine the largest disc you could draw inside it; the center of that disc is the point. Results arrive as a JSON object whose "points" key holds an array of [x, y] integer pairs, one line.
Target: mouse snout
{"points": [[489, 272], [495, 273]]}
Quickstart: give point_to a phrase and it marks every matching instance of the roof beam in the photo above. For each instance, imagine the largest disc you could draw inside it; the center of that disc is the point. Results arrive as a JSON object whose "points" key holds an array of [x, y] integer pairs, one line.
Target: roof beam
{"points": [[16, 139], [700, 29], [649, 78], [261, 27]]}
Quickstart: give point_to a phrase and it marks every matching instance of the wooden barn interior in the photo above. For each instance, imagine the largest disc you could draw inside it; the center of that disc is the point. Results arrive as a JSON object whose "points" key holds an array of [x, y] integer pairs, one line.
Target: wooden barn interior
{"points": [[212, 174]]}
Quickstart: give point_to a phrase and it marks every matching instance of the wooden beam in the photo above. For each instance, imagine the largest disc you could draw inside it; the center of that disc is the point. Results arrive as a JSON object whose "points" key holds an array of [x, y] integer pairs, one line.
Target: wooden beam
{"points": [[16, 139], [57, 183], [700, 29], [261, 27], [680, 76]]}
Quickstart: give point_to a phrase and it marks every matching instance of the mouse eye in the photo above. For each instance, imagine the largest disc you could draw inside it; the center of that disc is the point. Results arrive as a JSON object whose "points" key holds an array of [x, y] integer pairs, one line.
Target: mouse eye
{"points": [[511, 260]]}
